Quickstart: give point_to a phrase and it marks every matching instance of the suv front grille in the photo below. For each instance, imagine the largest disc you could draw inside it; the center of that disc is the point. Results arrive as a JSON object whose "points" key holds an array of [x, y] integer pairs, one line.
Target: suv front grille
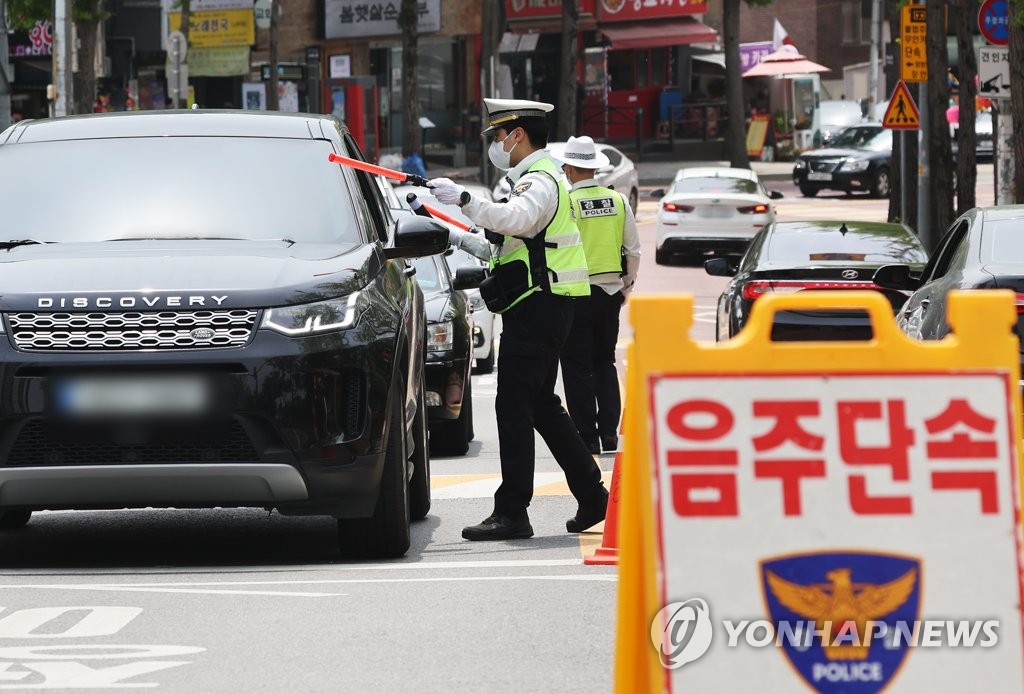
{"points": [[131, 331], [823, 166], [42, 442]]}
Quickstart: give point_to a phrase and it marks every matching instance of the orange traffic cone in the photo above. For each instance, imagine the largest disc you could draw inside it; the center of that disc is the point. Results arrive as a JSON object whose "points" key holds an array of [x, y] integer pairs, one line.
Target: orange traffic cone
{"points": [[608, 552]]}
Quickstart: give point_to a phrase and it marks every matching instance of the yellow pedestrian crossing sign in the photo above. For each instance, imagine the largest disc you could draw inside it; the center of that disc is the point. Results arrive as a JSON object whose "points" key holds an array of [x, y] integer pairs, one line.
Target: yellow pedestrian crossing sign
{"points": [[901, 113]]}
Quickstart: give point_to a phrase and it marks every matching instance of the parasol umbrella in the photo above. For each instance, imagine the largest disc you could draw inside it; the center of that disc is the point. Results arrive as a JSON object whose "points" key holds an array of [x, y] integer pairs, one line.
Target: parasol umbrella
{"points": [[785, 63]]}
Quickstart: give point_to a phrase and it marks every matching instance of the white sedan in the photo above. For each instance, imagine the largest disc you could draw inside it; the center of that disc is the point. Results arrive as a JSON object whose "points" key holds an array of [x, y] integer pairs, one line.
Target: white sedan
{"points": [[620, 174], [710, 210]]}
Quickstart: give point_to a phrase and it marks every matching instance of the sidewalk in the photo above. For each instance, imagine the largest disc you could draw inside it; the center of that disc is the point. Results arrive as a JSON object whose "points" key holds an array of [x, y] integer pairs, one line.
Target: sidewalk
{"points": [[651, 173]]}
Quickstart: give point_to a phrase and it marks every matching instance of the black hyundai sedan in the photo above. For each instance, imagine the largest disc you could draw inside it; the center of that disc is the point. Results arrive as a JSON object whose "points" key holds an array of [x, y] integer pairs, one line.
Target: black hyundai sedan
{"points": [[796, 256], [858, 159], [200, 310], [982, 249]]}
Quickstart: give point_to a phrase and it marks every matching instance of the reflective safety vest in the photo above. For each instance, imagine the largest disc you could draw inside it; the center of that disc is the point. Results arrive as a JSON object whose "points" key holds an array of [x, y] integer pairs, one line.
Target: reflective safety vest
{"points": [[601, 217], [554, 258]]}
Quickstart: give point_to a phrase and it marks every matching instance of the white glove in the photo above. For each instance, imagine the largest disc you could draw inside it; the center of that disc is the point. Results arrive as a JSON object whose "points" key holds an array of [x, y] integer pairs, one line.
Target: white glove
{"points": [[446, 190]]}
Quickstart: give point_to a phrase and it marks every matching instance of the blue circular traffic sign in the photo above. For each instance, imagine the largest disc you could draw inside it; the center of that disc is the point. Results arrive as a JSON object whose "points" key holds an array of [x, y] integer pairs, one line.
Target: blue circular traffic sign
{"points": [[994, 21]]}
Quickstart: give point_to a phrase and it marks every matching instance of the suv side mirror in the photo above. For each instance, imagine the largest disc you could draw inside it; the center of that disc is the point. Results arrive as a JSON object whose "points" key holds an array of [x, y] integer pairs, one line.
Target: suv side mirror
{"points": [[469, 277], [658, 193], [895, 277], [417, 236], [775, 195], [721, 267]]}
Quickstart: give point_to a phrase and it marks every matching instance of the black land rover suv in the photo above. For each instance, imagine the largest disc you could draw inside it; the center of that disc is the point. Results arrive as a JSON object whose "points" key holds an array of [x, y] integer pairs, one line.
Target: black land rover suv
{"points": [[200, 310]]}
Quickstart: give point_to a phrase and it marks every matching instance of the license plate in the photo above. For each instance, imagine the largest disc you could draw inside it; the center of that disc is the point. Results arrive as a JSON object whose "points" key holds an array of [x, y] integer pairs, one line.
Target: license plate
{"points": [[714, 212], [818, 176], [131, 395]]}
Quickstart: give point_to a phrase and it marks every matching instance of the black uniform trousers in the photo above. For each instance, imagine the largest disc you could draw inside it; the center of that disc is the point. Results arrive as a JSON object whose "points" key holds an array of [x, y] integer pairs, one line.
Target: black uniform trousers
{"points": [[588, 366], [533, 333]]}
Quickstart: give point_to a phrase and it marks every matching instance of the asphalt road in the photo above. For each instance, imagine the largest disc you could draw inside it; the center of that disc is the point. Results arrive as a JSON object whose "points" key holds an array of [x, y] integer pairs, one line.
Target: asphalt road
{"points": [[243, 600]]}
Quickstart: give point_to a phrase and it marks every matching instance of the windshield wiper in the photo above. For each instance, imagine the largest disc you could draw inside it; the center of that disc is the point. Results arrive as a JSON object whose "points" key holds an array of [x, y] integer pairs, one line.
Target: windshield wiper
{"points": [[14, 243]]}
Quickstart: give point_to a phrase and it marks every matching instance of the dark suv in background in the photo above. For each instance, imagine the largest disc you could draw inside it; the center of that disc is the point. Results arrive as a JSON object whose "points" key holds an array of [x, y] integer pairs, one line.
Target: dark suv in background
{"points": [[201, 311]]}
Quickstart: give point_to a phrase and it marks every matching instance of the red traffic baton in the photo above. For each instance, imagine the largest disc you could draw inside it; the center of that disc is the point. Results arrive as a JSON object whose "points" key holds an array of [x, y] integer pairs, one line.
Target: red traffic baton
{"points": [[446, 218], [399, 176]]}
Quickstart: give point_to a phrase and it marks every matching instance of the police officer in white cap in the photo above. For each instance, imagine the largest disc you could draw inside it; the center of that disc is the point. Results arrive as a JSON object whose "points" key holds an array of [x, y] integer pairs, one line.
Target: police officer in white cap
{"points": [[612, 245], [538, 272]]}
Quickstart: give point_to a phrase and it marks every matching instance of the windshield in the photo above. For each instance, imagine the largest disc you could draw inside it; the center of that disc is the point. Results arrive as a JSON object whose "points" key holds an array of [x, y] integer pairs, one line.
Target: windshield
{"points": [[873, 138], [175, 187], [715, 184]]}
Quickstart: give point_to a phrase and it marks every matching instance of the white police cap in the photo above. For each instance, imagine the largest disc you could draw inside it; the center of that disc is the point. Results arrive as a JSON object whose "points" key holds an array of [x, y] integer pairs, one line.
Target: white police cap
{"points": [[509, 113]]}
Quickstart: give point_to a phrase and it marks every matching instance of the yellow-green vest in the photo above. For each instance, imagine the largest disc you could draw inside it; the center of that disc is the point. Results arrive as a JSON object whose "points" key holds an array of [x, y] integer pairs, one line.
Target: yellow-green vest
{"points": [[555, 256], [601, 218]]}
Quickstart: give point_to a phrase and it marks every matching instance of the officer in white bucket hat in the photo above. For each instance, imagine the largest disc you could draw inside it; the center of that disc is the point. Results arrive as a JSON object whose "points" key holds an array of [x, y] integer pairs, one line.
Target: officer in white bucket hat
{"points": [[612, 246]]}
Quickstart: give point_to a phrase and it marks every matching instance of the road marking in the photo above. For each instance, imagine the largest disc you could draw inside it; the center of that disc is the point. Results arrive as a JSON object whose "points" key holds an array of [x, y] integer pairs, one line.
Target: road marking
{"points": [[397, 565], [214, 588]]}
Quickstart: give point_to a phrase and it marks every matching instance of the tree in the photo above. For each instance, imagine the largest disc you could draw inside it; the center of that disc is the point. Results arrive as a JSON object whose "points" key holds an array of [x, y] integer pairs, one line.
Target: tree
{"points": [[1017, 93], [569, 83], [966, 163], [408, 17], [87, 15], [736, 135], [939, 151]]}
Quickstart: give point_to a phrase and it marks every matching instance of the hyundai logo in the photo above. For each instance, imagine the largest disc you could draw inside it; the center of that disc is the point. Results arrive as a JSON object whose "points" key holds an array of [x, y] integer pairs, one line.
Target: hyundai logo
{"points": [[202, 334], [850, 274]]}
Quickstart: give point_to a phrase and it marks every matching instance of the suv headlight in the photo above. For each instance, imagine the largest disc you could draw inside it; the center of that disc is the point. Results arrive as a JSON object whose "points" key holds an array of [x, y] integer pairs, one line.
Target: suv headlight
{"points": [[800, 164], [320, 317], [440, 336], [852, 164]]}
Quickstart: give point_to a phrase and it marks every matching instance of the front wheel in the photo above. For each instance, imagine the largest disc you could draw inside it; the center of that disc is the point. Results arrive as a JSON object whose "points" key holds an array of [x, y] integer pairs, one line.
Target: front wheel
{"points": [[808, 191], [453, 437], [486, 365], [385, 534], [881, 186]]}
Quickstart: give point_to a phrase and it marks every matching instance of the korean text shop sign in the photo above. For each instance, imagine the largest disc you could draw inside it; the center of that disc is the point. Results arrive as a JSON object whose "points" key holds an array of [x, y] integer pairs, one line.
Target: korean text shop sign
{"points": [[832, 517]]}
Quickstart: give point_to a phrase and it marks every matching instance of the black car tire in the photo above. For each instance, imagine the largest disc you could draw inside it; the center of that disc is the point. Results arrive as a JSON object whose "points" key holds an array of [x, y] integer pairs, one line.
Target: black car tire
{"points": [[808, 191], [14, 518], [384, 535], [419, 485], [634, 199], [486, 365], [881, 184], [662, 257], [452, 438]]}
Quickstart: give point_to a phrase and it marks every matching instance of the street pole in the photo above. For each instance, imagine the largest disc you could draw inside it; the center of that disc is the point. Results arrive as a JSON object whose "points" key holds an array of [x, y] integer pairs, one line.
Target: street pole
{"points": [[62, 52], [875, 41], [924, 209], [5, 72], [904, 185]]}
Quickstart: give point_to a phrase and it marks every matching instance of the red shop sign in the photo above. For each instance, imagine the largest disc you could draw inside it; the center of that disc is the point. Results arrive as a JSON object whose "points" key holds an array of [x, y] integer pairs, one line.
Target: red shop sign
{"points": [[625, 10]]}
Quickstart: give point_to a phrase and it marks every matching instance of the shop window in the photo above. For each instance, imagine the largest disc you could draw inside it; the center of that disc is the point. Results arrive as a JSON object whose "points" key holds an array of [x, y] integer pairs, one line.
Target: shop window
{"points": [[643, 69], [437, 88], [620, 70], [658, 67]]}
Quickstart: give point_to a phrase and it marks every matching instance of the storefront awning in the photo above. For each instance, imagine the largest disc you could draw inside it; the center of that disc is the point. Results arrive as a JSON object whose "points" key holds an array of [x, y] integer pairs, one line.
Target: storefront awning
{"points": [[652, 34]]}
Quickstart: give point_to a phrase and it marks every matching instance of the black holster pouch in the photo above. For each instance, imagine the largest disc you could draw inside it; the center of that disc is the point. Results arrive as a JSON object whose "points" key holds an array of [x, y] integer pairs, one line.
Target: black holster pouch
{"points": [[505, 284]]}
